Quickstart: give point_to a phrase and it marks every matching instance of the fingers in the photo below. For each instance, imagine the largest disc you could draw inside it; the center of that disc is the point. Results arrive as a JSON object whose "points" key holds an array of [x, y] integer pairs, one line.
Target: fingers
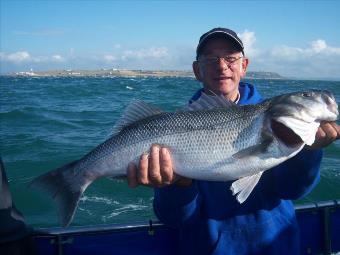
{"points": [[320, 134], [330, 130], [155, 169], [336, 129], [142, 174], [155, 177], [166, 172], [326, 134]]}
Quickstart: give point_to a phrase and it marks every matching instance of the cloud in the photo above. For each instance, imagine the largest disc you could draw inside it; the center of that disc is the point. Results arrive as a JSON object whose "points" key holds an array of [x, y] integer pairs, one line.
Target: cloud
{"points": [[57, 58], [17, 57], [144, 58], [109, 58], [22, 57], [248, 38], [316, 59], [317, 48], [153, 52]]}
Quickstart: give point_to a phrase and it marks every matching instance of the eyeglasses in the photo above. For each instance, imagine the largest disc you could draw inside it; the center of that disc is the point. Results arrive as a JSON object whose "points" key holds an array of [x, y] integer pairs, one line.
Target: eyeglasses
{"points": [[212, 60]]}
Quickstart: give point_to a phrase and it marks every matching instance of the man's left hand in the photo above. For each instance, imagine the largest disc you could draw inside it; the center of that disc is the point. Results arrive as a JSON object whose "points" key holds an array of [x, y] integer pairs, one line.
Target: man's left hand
{"points": [[327, 133]]}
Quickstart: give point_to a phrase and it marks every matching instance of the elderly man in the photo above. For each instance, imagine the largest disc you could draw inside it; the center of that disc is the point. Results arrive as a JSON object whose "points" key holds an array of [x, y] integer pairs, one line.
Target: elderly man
{"points": [[209, 218]]}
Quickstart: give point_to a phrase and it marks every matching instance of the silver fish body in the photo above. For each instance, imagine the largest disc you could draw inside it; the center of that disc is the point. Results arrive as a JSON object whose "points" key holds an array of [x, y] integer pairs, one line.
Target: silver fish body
{"points": [[208, 141]]}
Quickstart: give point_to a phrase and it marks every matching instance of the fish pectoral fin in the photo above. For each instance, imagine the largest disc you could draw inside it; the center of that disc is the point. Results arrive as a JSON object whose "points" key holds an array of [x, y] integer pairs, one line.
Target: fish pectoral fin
{"points": [[135, 111], [244, 186]]}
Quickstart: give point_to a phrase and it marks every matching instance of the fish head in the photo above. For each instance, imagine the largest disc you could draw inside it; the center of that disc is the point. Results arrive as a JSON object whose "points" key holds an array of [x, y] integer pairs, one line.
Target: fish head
{"points": [[303, 111]]}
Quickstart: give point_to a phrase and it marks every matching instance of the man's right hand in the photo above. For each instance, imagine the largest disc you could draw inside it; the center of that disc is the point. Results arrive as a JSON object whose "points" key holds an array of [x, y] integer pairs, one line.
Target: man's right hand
{"points": [[155, 170]]}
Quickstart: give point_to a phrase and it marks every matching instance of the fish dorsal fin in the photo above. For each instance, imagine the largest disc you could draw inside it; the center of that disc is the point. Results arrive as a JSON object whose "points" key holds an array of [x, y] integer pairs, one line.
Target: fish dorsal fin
{"points": [[135, 111], [209, 102], [305, 130]]}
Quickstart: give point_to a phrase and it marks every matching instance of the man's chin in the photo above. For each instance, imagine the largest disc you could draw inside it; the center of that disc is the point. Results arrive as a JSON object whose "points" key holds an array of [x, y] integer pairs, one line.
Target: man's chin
{"points": [[225, 88]]}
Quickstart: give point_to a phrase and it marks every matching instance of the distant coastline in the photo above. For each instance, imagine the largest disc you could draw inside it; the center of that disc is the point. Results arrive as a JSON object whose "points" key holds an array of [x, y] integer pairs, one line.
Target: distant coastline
{"points": [[132, 73]]}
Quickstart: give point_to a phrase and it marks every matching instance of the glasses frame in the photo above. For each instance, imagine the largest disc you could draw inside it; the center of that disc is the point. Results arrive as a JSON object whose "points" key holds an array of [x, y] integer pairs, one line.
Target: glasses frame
{"points": [[230, 61]]}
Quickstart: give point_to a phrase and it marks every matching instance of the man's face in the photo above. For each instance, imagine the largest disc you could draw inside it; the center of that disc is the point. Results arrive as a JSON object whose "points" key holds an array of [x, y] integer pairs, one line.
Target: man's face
{"points": [[217, 75]]}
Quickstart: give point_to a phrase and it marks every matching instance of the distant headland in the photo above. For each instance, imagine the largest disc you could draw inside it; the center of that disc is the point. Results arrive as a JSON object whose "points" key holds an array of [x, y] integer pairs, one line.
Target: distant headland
{"points": [[132, 73]]}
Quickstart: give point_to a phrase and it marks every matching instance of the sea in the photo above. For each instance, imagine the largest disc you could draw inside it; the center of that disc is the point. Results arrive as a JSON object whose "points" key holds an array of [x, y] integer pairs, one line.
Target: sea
{"points": [[49, 121]]}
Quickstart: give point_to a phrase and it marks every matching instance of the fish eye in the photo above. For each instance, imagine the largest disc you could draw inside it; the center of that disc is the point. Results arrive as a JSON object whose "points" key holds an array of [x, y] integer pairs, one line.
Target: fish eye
{"points": [[307, 94]]}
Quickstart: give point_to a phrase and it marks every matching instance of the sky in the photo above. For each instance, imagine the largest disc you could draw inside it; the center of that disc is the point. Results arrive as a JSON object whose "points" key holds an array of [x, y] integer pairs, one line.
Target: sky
{"points": [[293, 38]]}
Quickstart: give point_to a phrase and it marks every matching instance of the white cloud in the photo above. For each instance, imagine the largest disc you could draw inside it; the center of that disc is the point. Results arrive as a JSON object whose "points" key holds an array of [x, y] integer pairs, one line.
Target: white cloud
{"points": [[18, 57], [57, 58], [152, 52], [248, 38], [285, 52], [21, 57], [317, 59], [110, 58], [317, 48]]}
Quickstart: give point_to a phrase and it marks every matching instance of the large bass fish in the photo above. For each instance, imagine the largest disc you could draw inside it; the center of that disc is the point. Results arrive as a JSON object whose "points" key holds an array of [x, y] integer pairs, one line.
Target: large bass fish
{"points": [[211, 140]]}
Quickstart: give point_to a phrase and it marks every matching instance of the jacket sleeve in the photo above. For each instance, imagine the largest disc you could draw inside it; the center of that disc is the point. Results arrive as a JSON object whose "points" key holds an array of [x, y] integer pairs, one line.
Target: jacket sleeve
{"points": [[297, 176], [175, 206]]}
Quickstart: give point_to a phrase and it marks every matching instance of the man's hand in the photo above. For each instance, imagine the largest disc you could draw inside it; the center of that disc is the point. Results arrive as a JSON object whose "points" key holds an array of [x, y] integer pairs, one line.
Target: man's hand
{"points": [[327, 133], [155, 170]]}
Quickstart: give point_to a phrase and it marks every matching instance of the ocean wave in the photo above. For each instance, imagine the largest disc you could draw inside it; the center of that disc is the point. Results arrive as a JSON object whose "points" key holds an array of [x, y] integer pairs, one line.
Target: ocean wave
{"points": [[110, 208], [124, 209], [101, 200]]}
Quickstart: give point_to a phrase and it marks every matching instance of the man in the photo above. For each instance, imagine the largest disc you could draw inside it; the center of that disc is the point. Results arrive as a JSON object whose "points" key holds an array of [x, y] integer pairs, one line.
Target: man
{"points": [[209, 218]]}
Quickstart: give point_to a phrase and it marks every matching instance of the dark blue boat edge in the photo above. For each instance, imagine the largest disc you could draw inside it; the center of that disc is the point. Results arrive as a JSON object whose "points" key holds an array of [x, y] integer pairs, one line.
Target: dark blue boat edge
{"points": [[319, 229]]}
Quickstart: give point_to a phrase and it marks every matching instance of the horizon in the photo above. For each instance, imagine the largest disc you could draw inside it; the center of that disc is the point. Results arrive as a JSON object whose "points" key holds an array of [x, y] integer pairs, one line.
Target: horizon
{"points": [[292, 38], [74, 73]]}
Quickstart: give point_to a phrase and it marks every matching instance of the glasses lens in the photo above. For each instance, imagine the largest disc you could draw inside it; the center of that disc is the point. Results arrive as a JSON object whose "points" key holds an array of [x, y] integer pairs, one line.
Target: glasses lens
{"points": [[228, 60]]}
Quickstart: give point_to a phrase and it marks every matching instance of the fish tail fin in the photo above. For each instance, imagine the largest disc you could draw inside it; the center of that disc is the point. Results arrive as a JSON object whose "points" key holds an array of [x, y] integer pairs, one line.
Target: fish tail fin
{"points": [[65, 185]]}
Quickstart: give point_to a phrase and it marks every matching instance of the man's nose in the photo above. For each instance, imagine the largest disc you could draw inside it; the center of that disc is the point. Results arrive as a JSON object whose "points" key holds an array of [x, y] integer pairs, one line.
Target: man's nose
{"points": [[222, 65]]}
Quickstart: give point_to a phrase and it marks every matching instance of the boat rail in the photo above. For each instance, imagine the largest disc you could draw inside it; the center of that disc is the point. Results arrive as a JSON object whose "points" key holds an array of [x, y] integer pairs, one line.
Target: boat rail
{"points": [[319, 229]]}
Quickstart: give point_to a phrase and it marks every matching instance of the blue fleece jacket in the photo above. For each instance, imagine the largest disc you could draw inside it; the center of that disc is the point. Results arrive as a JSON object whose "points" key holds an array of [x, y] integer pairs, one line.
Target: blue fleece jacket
{"points": [[211, 221]]}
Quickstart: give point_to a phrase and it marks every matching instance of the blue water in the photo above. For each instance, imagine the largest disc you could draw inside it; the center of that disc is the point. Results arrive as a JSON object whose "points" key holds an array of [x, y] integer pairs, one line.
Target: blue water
{"points": [[49, 121]]}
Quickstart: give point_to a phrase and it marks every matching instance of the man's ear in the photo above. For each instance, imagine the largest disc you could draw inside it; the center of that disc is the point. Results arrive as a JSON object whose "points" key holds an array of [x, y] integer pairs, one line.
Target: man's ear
{"points": [[197, 71], [243, 67]]}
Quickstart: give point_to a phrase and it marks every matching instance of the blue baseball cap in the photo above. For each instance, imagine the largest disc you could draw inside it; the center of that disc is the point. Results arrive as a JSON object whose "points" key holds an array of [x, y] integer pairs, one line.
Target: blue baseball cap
{"points": [[219, 32]]}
